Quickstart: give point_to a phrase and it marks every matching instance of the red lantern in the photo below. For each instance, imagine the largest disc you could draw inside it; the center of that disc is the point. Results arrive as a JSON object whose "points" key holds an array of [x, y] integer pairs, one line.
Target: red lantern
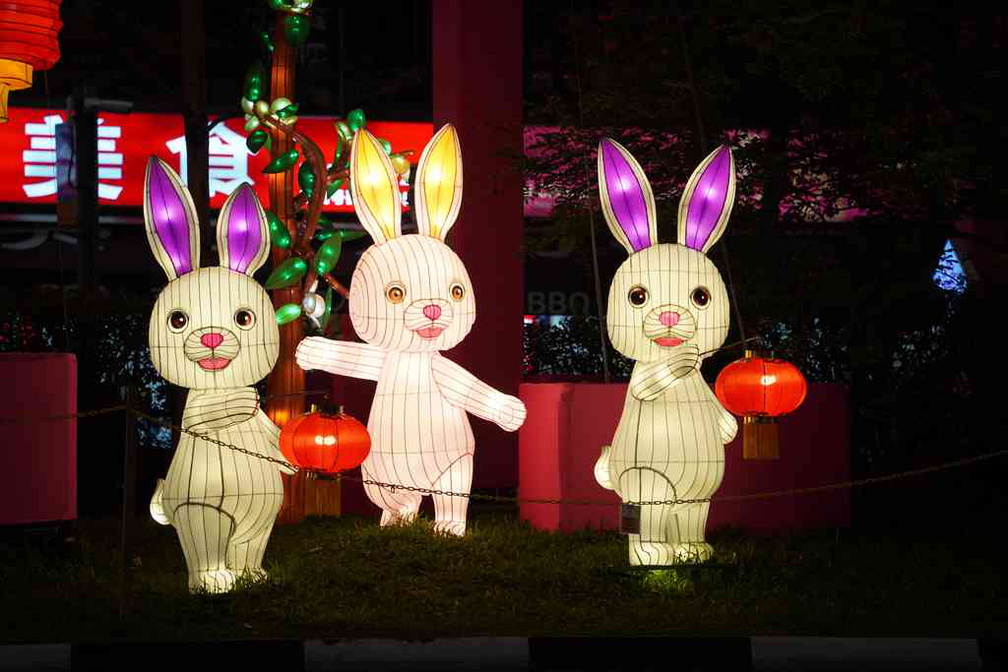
{"points": [[328, 441], [760, 390], [28, 30]]}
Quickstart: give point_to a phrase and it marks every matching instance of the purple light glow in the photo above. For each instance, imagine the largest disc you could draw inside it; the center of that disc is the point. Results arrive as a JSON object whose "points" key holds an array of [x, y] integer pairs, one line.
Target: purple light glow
{"points": [[243, 234], [626, 196], [169, 215], [708, 200]]}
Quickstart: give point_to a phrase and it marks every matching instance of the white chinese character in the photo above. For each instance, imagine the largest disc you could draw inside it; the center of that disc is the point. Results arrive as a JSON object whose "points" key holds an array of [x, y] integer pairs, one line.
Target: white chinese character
{"points": [[110, 162], [40, 159], [228, 159]]}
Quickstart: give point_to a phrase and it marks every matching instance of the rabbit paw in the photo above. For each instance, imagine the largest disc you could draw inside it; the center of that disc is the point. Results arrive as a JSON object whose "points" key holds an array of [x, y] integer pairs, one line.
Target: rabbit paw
{"points": [[309, 351], [602, 476], [684, 360], [510, 411]]}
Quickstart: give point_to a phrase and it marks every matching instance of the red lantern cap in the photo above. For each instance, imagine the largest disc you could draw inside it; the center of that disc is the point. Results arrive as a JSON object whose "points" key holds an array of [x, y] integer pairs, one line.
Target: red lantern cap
{"points": [[754, 386]]}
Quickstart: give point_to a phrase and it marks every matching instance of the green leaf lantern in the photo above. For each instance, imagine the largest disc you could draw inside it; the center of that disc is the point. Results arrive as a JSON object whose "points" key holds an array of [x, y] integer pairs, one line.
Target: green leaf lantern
{"points": [[328, 255], [347, 234], [287, 111], [279, 234], [287, 273], [287, 313], [256, 140], [306, 178], [296, 28], [334, 187], [356, 120], [283, 162], [267, 41], [255, 81], [386, 145]]}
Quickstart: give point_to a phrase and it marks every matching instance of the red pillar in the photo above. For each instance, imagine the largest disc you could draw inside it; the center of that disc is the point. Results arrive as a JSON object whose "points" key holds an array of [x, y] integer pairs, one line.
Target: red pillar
{"points": [[477, 73]]}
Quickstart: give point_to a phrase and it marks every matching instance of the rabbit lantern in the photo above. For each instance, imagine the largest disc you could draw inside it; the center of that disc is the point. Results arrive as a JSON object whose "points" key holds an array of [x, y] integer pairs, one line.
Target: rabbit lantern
{"points": [[668, 310], [410, 299], [213, 331]]}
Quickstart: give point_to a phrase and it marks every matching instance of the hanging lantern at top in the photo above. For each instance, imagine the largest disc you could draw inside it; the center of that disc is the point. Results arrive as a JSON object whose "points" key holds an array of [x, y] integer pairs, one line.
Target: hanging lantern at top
{"points": [[760, 390], [327, 441], [28, 30]]}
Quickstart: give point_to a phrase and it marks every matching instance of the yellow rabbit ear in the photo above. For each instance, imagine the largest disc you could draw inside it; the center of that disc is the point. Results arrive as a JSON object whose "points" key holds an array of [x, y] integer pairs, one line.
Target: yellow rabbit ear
{"points": [[374, 188], [439, 184]]}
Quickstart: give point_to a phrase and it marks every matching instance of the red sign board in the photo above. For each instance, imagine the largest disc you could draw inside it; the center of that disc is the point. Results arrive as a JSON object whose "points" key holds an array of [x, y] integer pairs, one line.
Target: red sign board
{"points": [[125, 141]]}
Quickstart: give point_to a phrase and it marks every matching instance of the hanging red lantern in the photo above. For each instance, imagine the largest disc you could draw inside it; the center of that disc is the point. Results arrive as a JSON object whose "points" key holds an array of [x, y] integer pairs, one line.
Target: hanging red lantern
{"points": [[327, 441], [760, 390], [28, 30]]}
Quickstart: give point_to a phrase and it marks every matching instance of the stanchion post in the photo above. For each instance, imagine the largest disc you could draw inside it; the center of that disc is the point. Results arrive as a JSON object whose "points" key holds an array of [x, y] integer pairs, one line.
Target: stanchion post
{"points": [[129, 493]]}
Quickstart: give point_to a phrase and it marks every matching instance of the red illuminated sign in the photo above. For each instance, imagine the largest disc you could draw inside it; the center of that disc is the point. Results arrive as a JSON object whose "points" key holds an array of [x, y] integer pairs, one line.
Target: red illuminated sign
{"points": [[125, 141]]}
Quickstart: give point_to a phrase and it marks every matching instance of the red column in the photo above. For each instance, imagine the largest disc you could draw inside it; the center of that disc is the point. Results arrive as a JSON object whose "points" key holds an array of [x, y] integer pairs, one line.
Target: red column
{"points": [[477, 63]]}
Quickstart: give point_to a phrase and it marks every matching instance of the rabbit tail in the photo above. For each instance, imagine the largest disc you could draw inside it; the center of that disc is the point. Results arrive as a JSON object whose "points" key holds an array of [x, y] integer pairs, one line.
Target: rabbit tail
{"points": [[157, 511], [602, 475]]}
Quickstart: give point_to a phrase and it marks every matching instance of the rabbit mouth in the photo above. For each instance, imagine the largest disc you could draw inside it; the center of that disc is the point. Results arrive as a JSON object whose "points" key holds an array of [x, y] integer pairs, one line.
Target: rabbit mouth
{"points": [[669, 341], [213, 363], [428, 332]]}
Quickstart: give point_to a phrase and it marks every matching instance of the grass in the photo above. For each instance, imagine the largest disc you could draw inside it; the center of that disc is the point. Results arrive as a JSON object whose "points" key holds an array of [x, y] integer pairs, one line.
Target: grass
{"points": [[345, 577]]}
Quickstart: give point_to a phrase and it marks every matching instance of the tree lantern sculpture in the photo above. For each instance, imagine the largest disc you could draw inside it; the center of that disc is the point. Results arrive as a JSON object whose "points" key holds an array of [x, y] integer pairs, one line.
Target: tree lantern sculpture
{"points": [[28, 30], [760, 390], [327, 441]]}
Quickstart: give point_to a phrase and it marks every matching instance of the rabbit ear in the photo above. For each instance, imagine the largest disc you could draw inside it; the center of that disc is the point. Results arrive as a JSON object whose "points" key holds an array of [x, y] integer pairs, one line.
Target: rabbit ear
{"points": [[170, 220], [707, 201], [627, 201], [242, 232], [374, 188], [439, 183]]}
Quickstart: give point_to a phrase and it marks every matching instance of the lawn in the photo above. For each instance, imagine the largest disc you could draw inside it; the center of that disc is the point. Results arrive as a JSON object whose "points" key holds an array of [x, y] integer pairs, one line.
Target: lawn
{"points": [[345, 577]]}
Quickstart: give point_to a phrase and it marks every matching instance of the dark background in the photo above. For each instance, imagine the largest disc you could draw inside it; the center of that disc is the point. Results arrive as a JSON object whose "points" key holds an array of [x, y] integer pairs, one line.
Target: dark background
{"points": [[899, 110]]}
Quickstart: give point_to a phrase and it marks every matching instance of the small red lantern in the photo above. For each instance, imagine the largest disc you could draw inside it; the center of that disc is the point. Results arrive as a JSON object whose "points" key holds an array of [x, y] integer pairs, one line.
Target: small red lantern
{"points": [[28, 30], [760, 390], [327, 441]]}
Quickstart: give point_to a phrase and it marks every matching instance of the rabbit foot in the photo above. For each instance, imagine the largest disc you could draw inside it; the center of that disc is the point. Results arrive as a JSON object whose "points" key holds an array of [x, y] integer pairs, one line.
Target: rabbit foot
{"points": [[456, 527], [404, 517], [660, 553], [212, 581]]}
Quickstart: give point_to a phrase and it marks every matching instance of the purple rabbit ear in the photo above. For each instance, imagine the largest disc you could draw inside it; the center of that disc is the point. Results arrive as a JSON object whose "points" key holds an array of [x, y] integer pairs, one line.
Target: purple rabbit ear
{"points": [[627, 201], [170, 220], [707, 201], [242, 232]]}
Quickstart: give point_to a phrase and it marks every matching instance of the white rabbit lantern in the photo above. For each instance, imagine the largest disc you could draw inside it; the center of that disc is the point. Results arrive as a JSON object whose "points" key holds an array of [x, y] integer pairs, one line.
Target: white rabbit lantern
{"points": [[410, 299], [213, 331], [668, 310]]}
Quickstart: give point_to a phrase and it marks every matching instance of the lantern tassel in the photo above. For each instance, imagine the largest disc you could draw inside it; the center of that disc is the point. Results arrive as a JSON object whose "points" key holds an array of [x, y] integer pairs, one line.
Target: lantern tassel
{"points": [[760, 438]]}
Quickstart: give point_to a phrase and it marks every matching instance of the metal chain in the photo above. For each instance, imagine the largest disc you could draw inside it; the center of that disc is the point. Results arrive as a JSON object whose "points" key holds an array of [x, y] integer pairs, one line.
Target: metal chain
{"points": [[63, 416], [525, 500]]}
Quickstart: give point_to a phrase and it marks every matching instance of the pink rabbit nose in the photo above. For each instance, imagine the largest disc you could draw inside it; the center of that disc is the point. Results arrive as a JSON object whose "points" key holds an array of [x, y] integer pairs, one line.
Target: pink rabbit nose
{"points": [[669, 318], [211, 340], [432, 312]]}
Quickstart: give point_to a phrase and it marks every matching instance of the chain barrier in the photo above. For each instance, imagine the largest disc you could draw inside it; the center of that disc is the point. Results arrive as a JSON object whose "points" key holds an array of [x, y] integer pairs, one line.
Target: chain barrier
{"points": [[526, 500]]}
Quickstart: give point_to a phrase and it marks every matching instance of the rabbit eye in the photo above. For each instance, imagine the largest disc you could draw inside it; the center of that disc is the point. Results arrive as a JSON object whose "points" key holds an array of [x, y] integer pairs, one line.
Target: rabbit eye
{"points": [[244, 318], [638, 296], [177, 320], [457, 291], [395, 293], [700, 297]]}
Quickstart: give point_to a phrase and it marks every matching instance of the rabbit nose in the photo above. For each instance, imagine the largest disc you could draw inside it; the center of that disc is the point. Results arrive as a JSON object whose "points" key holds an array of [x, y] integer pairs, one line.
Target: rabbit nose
{"points": [[669, 318], [211, 340], [432, 311]]}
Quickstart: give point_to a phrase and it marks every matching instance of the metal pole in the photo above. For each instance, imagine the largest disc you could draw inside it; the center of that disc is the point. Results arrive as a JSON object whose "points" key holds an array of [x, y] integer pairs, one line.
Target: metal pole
{"points": [[129, 495]]}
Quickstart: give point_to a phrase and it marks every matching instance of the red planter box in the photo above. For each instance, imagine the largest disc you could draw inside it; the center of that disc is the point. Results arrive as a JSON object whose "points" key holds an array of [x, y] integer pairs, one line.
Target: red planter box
{"points": [[568, 423], [38, 479]]}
